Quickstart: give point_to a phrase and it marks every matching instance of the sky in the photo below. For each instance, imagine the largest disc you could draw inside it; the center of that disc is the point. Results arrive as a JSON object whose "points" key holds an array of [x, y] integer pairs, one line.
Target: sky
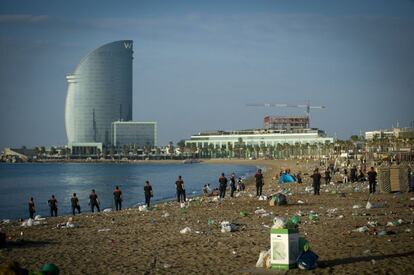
{"points": [[198, 63]]}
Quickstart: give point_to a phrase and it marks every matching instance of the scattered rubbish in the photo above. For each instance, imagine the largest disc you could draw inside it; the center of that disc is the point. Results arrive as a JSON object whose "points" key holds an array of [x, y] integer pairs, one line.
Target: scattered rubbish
{"points": [[313, 216], [395, 223], [361, 229], [367, 251], [39, 218], [185, 230], [373, 261], [143, 208], [340, 217], [307, 260], [225, 227], [28, 222], [263, 198], [408, 230], [385, 233], [104, 230], [332, 210], [301, 202], [372, 223], [264, 259], [356, 206], [278, 223], [166, 266], [165, 215], [5, 221], [412, 199], [243, 213], [260, 211], [106, 210], [210, 221]]}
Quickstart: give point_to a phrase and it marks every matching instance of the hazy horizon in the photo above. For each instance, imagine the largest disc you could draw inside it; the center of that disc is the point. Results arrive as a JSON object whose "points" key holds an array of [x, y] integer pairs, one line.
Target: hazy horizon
{"points": [[198, 63]]}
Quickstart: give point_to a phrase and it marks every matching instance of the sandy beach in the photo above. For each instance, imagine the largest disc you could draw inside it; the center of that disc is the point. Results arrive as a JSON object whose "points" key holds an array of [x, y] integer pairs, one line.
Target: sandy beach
{"points": [[136, 242]]}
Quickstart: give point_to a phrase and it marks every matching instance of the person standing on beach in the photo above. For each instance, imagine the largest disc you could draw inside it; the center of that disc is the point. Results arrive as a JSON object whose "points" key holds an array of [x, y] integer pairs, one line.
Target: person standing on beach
{"points": [[232, 185], [118, 198], [53, 206], [74, 201], [327, 176], [240, 184], [148, 193], [32, 209], [316, 181], [93, 201], [372, 178], [259, 182], [180, 189], [222, 185], [353, 174]]}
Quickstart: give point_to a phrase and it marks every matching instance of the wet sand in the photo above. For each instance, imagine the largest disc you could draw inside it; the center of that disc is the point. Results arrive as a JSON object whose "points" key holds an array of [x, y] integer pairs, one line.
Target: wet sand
{"points": [[148, 242]]}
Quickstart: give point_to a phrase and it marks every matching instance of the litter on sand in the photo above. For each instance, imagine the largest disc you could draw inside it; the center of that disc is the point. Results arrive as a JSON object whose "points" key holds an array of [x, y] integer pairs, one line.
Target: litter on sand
{"points": [[185, 230]]}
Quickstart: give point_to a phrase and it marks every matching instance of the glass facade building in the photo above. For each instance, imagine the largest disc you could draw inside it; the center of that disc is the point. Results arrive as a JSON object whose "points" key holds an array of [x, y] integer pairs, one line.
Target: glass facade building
{"points": [[134, 133], [99, 93]]}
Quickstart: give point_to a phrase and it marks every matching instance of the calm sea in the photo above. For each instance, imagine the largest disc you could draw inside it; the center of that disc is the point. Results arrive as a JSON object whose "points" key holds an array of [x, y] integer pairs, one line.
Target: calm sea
{"points": [[20, 181]]}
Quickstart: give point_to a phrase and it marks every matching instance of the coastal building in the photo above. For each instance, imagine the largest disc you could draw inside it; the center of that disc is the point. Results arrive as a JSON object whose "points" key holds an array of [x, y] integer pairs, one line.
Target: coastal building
{"points": [[98, 107], [259, 137], [134, 133], [99, 92], [388, 133]]}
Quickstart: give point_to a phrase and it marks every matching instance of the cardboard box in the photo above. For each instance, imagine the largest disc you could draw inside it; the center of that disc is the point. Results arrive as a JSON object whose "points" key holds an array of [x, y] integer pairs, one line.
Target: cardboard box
{"points": [[284, 248]]}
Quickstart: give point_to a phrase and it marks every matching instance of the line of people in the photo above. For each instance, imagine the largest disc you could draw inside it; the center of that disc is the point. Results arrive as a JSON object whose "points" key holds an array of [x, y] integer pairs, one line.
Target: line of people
{"points": [[316, 177], [75, 205]]}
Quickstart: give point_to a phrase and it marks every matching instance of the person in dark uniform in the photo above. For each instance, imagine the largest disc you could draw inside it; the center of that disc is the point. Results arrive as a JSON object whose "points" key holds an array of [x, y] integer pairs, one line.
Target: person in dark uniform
{"points": [[327, 176], [148, 193], [93, 201], [179, 184], [372, 178], [53, 206], [74, 201], [32, 209], [353, 174], [316, 181], [222, 185], [232, 185], [118, 198], [259, 182]]}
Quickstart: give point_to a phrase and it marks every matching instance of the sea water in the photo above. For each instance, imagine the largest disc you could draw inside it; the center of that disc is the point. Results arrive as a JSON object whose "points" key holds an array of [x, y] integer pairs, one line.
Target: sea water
{"points": [[19, 182]]}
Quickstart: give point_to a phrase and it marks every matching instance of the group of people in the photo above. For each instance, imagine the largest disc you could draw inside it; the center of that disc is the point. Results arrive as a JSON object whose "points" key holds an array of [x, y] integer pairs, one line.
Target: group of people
{"points": [[316, 177], [74, 201]]}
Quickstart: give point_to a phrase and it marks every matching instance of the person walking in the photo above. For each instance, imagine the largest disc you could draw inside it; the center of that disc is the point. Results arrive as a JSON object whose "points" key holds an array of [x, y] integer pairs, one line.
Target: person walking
{"points": [[179, 184], [148, 193], [240, 184], [53, 206], [372, 178], [93, 201], [232, 185], [316, 181], [327, 176], [259, 182], [222, 185], [32, 209], [118, 198], [74, 201]]}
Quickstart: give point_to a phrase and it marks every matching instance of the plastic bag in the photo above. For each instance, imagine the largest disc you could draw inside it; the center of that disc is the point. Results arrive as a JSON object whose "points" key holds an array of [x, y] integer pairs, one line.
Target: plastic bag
{"points": [[307, 260]]}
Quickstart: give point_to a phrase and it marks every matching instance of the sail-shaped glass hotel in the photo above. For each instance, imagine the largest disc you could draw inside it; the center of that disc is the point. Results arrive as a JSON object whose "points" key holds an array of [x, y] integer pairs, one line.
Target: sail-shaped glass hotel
{"points": [[99, 93]]}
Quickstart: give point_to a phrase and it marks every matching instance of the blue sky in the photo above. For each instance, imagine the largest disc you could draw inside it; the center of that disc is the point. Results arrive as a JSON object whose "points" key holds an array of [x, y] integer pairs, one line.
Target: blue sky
{"points": [[197, 63]]}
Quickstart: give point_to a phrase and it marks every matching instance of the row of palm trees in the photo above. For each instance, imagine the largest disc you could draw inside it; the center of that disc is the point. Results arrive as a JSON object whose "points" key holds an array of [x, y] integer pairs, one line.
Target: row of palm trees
{"points": [[241, 150]]}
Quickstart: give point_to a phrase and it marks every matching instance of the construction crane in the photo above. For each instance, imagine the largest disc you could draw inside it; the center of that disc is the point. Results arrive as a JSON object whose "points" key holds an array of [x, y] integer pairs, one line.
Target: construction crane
{"points": [[307, 107]]}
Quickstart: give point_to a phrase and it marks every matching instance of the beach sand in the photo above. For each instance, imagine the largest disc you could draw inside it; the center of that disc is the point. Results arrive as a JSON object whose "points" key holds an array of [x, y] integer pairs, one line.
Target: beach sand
{"points": [[148, 242]]}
